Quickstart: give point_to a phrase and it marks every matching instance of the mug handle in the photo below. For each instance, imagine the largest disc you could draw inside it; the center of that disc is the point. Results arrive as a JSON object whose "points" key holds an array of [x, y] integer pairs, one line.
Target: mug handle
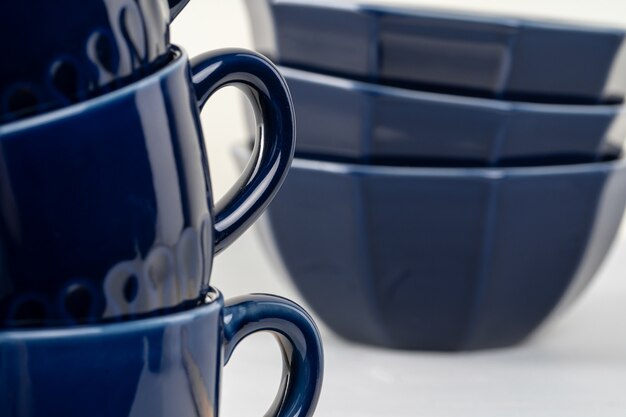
{"points": [[274, 145], [299, 340], [176, 6]]}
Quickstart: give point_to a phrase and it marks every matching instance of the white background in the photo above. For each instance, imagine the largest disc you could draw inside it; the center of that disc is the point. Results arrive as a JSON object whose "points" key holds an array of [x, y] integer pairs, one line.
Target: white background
{"points": [[575, 366]]}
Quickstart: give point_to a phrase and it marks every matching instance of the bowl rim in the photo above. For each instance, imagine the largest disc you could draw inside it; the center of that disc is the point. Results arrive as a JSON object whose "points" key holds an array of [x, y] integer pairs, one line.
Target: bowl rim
{"points": [[460, 172], [482, 103], [466, 15], [487, 173]]}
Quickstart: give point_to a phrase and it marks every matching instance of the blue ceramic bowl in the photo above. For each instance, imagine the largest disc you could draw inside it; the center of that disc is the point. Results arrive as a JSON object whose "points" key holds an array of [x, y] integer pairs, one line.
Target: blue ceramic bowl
{"points": [[426, 49], [355, 121], [445, 259]]}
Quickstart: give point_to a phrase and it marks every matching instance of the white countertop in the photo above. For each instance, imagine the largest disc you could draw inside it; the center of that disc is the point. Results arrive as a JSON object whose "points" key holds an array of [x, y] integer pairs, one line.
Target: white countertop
{"points": [[575, 366]]}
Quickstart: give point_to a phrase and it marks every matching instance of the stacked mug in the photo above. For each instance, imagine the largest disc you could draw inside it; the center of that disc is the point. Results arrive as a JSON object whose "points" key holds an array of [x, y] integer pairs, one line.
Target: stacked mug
{"points": [[458, 178], [107, 223]]}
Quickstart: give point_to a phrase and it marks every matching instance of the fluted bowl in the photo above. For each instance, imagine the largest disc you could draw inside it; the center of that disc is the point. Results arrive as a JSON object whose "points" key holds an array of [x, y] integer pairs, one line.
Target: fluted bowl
{"points": [[444, 258]]}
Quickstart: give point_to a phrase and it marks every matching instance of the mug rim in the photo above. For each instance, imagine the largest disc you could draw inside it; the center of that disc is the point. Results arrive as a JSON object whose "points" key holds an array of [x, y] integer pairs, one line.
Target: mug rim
{"points": [[212, 300], [178, 58]]}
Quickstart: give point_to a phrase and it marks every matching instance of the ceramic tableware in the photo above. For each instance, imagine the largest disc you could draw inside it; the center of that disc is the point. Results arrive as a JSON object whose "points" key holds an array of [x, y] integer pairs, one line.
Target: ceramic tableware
{"points": [[61, 52], [362, 122], [107, 210], [464, 53], [443, 258], [164, 366]]}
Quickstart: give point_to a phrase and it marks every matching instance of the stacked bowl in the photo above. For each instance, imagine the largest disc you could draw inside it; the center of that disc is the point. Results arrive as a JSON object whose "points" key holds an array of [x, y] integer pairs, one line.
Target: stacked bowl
{"points": [[458, 178]]}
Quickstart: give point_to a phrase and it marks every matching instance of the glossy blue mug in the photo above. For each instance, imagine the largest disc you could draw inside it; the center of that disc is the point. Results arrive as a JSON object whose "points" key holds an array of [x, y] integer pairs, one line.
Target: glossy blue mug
{"points": [[107, 211], [60, 52], [161, 366]]}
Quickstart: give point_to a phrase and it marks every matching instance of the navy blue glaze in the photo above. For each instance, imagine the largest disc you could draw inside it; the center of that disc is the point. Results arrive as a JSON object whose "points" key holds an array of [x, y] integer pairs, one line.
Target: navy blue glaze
{"points": [[107, 208], [444, 259], [164, 366], [503, 57], [65, 51], [363, 122]]}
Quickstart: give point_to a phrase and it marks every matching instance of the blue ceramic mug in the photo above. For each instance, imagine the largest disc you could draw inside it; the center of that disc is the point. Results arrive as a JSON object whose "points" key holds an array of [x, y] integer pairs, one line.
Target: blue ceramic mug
{"points": [[64, 51], [107, 210], [161, 366]]}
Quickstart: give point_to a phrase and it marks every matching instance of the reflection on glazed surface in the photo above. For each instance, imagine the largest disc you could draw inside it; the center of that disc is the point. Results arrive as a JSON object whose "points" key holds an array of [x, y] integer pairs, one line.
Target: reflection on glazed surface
{"points": [[149, 367], [162, 366], [164, 278], [82, 50], [103, 204]]}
